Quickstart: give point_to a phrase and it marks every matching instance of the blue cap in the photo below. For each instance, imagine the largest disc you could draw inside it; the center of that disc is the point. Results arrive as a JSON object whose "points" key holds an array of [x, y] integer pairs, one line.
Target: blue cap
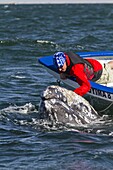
{"points": [[60, 59]]}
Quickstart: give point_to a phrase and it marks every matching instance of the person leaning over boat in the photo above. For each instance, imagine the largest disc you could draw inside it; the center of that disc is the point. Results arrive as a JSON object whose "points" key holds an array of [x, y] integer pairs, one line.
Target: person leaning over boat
{"points": [[71, 64]]}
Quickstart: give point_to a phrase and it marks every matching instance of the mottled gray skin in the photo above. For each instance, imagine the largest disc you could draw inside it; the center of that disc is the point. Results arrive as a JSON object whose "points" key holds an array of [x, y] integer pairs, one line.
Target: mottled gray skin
{"points": [[60, 105]]}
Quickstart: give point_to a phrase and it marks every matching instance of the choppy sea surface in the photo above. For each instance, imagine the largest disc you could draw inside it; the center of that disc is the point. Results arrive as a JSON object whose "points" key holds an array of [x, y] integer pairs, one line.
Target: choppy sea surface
{"points": [[28, 32]]}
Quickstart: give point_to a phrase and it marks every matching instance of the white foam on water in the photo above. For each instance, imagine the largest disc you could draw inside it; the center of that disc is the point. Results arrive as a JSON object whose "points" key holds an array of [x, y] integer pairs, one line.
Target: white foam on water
{"points": [[25, 109]]}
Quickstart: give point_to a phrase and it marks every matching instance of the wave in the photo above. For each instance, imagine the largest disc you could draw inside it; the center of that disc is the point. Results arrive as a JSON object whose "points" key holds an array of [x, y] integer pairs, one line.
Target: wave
{"points": [[48, 43], [14, 41], [90, 39], [28, 43]]}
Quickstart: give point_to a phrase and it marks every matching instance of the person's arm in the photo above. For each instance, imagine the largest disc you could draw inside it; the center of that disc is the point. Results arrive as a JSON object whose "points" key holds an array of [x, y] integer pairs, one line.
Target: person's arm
{"points": [[78, 71]]}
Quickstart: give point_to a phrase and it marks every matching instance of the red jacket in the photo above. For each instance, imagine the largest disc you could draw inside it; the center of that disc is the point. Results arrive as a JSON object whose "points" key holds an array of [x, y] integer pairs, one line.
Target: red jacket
{"points": [[77, 71]]}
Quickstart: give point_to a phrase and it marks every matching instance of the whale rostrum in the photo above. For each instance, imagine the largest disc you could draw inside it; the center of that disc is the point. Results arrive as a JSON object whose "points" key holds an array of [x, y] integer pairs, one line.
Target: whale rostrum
{"points": [[60, 105]]}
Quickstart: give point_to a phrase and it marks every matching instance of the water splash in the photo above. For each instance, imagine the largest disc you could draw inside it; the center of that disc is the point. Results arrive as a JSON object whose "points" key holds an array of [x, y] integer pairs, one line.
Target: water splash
{"points": [[25, 109], [27, 116]]}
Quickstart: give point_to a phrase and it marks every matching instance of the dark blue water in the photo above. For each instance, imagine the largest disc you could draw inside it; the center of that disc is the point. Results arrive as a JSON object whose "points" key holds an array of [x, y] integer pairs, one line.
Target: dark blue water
{"points": [[26, 33]]}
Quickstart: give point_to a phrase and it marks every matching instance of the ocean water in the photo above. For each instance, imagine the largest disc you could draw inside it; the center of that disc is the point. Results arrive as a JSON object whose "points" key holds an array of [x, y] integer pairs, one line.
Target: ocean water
{"points": [[28, 32]]}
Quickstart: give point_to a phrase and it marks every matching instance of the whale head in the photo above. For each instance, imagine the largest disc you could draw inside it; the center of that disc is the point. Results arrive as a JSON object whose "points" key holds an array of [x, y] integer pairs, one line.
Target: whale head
{"points": [[60, 105]]}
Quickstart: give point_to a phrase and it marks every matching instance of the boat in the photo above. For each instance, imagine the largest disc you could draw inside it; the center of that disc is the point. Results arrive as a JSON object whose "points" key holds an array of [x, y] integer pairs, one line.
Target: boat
{"points": [[101, 95]]}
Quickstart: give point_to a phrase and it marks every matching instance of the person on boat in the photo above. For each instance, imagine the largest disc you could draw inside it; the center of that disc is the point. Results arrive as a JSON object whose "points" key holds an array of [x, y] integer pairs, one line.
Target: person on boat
{"points": [[71, 64]]}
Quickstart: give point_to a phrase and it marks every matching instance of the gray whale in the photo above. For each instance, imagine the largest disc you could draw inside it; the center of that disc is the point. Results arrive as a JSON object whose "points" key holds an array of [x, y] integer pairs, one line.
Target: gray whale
{"points": [[60, 105]]}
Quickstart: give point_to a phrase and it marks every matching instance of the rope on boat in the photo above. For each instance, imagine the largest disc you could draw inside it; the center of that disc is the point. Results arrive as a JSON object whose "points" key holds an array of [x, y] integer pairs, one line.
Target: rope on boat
{"points": [[106, 107]]}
